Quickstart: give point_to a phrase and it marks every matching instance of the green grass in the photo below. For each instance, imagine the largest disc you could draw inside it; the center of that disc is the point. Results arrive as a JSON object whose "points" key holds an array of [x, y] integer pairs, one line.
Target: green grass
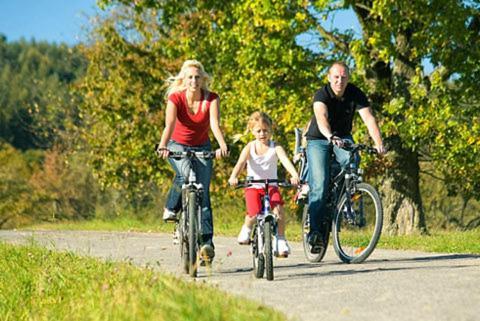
{"points": [[39, 284]]}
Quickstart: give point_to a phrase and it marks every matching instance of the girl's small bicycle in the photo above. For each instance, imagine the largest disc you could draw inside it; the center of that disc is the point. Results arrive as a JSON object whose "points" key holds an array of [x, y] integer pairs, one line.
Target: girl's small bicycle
{"points": [[264, 230]]}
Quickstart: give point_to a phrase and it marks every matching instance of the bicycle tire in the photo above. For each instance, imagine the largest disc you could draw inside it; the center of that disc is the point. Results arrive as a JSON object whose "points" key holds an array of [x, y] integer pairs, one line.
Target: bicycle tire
{"points": [[258, 258], [355, 237], [268, 251], [311, 257], [192, 233], [182, 228]]}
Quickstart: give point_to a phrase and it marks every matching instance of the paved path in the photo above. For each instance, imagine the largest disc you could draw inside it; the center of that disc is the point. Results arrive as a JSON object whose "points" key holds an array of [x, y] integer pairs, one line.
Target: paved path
{"points": [[391, 285]]}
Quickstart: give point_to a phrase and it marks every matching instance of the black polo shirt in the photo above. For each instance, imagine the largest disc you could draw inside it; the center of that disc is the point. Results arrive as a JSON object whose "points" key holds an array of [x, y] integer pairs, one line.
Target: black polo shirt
{"points": [[340, 110]]}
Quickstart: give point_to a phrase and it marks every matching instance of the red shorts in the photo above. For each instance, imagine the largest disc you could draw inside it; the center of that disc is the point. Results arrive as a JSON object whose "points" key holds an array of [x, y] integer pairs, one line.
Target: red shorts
{"points": [[253, 198]]}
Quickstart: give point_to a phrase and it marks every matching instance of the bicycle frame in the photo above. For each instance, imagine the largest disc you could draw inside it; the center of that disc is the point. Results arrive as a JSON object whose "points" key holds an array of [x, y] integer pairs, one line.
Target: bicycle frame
{"points": [[265, 216]]}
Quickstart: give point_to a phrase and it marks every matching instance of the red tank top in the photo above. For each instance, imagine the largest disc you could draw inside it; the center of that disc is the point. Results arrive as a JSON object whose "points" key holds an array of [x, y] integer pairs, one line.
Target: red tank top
{"points": [[192, 130]]}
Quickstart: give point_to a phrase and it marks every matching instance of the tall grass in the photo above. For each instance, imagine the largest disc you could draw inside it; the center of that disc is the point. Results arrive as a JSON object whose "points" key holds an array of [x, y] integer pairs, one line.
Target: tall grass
{"points": [[39, 284]]}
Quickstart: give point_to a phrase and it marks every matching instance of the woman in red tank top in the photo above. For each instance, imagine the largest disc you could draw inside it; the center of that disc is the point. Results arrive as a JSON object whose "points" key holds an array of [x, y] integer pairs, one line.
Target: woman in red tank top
{"points": [[192, 110]]}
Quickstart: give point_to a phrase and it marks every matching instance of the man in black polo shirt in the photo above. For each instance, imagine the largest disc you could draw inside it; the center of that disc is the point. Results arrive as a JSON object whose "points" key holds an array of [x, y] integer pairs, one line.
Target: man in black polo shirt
{"points": [[334, 106]]}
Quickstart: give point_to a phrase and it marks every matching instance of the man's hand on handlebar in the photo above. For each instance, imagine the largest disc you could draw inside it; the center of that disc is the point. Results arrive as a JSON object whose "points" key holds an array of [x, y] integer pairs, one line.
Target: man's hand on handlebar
{"points": [[337, 141], [381, 149]]}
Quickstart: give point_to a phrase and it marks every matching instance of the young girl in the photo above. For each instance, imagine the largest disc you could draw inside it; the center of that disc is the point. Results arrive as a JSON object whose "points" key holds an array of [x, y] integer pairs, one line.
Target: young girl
{"points": [[261, 156]]}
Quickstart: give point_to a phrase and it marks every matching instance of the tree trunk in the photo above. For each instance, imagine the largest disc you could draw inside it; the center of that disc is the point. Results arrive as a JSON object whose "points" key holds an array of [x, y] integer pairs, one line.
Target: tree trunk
{"points": [[402, 203]]}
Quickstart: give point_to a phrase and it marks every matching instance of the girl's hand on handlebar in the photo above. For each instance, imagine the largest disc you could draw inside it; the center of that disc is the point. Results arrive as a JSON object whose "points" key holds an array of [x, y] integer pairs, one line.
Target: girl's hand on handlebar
{"points": [[295, 180], [233, 181]]}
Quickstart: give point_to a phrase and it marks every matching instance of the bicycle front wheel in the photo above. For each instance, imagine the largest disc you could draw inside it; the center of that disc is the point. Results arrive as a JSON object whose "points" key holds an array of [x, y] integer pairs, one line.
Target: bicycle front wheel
{"points": [[307, 248], [258, 258], [357, 224], [183, 234], [192, 233], [267, 232]]}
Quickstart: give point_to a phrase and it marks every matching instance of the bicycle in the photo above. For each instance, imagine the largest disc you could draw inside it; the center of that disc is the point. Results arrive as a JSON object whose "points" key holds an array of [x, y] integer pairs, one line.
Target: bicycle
{"points": [[357, 220], [189, 224], [263, 231]]}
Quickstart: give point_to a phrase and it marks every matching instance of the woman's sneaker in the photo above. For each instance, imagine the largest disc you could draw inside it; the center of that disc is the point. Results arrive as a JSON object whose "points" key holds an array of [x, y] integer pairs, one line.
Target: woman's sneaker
{"points": [[207, 253], [244, 235], [169, 215]]}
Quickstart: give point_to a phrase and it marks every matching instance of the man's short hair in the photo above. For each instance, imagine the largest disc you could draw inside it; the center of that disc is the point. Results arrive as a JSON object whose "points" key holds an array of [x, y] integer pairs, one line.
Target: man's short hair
{"points": [[340, 63]]}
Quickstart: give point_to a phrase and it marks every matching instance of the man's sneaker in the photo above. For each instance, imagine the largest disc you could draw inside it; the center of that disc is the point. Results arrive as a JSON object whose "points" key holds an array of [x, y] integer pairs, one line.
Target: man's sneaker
{"points": [[281, 247], [244, 235], [207, 253], [315, 240], [169, 215]]}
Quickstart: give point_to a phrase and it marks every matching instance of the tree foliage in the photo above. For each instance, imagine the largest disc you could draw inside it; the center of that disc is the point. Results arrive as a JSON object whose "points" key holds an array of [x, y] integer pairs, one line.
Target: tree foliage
{"points": [[34, 91], [252, 49]]}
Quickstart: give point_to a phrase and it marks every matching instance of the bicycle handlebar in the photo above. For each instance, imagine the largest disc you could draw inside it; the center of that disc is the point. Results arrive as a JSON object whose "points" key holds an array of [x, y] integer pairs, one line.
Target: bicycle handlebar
{"points": [[188, 153], [249, 182], [347, 145]]}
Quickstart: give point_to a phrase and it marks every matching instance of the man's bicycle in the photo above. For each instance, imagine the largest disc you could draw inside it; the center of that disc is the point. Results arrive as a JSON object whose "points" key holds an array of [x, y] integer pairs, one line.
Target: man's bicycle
{"points": [[188, 227], [264, 230], [356, 209]]}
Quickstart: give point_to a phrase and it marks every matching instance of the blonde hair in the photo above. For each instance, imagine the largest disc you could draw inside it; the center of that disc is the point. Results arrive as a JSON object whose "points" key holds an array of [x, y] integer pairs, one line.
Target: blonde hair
{"points": [[175, 83], [259, 117]]}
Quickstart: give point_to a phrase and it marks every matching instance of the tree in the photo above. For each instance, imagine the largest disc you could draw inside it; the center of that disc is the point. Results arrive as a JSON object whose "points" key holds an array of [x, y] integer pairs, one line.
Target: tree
{"points": [[34, 91], [252, 49]]}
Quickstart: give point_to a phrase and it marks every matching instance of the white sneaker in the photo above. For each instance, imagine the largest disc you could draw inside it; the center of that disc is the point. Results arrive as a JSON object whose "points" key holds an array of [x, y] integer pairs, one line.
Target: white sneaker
{"points": [[244, 235], [281, 247], [169, 215], [304, 191]]}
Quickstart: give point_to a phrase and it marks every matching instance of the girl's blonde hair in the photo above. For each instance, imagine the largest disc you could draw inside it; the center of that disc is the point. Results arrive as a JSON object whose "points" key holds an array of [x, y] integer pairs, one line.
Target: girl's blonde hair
{"points": [[259, 117], [175, 83]]}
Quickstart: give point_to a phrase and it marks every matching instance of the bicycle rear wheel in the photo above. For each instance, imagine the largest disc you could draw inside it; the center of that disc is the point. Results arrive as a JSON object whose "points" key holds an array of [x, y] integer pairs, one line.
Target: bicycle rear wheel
{"points": [[258, 258], [307, 248], [267, 243], [192, 233], [356, 231]]}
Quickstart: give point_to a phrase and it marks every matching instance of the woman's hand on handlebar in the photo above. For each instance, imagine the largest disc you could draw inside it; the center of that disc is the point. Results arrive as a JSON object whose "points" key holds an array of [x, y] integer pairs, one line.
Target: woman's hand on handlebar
{"points": [[222, 152], [163, 152]]}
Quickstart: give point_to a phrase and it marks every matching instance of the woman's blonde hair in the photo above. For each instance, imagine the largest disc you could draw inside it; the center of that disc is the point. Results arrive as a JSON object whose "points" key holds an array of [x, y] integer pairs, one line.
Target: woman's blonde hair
{"points": [[259, 117], [175, 83]]}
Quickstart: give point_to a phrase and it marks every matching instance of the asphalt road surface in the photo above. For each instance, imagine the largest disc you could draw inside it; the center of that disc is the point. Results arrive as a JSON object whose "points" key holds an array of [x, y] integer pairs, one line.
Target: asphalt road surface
{"points": [[390, 285]]}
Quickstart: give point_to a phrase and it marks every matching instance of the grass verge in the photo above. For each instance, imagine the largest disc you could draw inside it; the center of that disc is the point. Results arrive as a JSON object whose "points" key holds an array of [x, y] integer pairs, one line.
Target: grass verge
{"points": [[40, 284]]}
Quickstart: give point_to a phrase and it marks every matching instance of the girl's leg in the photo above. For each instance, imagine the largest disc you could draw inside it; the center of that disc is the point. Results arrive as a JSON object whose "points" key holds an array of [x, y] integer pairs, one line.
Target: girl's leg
{"points": [[280, 212]]}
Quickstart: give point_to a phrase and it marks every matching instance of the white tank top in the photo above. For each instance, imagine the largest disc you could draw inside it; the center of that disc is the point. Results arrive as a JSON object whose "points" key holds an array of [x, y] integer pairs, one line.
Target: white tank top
{"points": [[262, 166]]}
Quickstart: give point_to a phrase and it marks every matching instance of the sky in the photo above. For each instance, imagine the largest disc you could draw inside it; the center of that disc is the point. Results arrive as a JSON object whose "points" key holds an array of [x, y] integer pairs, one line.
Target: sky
{"points": [[45, 20], [62, 20]]}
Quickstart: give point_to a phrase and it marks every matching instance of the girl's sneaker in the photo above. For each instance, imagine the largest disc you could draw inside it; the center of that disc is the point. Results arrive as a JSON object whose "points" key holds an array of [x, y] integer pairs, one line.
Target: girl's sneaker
{"points": [[281, 247], [244, 235]]}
